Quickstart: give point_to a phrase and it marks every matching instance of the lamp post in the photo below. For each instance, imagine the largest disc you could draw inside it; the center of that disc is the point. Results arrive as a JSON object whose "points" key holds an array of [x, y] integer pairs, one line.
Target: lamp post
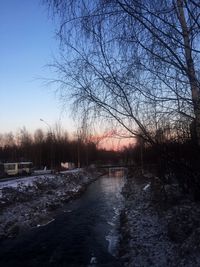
{"points": [[51, 142]]}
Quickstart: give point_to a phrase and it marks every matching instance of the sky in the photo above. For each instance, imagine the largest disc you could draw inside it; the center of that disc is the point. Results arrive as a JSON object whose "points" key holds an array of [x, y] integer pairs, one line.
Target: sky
{"points": [[27, 45]]}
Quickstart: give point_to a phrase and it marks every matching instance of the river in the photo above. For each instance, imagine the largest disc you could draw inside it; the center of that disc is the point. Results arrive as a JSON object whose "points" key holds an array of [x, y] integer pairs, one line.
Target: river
{"points": [[85, 233]]}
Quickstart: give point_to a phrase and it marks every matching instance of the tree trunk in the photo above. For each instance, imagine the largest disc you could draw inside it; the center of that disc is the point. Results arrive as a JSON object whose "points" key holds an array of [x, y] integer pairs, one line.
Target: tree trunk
{"points": [[191, 73]]}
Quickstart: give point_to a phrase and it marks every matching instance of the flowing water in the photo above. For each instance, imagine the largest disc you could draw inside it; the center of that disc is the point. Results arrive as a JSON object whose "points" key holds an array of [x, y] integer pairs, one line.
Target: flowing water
{"points": [[84, 234]]}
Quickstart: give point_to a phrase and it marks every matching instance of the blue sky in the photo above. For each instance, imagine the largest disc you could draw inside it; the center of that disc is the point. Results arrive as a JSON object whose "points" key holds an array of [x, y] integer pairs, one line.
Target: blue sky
{"points": [[27, 45]]}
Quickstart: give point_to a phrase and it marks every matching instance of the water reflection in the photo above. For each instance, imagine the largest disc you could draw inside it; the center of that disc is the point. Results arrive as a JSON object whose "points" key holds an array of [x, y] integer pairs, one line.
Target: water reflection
{"points": [[117, 172]]}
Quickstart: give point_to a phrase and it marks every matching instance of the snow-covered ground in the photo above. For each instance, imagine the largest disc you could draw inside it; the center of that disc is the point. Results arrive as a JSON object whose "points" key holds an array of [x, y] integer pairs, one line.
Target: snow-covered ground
{"points": [[158, 232], [25, 181], [29, 180], [31, 201]]}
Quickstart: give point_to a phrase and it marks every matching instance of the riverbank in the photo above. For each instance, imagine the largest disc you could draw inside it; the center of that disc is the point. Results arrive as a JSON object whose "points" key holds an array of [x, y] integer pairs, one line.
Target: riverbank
{"points": [[158, 227], [83, 233], [34, 201]]}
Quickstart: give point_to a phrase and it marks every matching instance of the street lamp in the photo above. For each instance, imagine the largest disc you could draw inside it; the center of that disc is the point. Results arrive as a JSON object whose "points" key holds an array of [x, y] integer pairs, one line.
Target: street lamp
{"points": [[51, 144]]}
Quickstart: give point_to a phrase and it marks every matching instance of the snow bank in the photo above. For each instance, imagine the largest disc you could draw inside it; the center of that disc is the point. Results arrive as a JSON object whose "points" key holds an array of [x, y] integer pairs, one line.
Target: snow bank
{"points": [[159, 227], [32, 201], [25, 181], [144, 233]]}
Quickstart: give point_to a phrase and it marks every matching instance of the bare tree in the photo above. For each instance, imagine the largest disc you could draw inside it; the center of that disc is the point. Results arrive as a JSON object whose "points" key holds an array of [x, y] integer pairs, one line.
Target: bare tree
{"points": [[38, 136], [8, 139], [136, 62]]}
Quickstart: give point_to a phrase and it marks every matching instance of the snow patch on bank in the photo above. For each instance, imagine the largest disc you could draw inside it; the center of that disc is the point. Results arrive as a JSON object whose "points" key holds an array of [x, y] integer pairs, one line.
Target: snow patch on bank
{"points": [[145, 239], [158, 229], [25, 181]]}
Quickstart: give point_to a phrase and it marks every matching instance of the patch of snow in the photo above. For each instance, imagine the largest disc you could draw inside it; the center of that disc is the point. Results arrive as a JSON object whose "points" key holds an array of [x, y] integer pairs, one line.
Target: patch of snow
{"points": [[44, 224], [93, 260], [111, 223], [146, 187]]}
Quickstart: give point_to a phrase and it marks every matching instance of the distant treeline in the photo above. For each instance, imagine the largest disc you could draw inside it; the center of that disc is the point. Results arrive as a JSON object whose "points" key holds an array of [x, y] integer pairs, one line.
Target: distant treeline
{"points": [[173, 158], [51, 148]]}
